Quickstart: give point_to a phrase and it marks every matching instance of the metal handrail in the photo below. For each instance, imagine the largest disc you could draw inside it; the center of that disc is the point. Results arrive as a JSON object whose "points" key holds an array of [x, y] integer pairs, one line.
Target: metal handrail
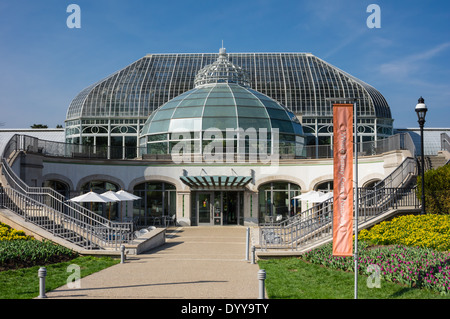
{"points": [[61, 225], [316, 222], [29, 144], [445, 142], [95, 228], [52, 198]]}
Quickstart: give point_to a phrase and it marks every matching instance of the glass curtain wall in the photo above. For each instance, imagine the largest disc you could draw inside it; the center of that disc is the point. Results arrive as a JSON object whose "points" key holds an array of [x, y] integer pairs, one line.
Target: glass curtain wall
{"points": [[276, 200], [158, 201]]}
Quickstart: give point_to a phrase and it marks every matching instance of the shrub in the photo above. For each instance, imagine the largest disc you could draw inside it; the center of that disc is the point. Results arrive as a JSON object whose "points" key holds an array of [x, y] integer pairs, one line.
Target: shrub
{"points": [[437, 190]]}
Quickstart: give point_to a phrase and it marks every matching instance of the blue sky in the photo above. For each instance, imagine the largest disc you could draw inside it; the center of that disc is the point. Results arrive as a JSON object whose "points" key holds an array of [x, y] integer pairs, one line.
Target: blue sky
{"points": [[44, 64]]}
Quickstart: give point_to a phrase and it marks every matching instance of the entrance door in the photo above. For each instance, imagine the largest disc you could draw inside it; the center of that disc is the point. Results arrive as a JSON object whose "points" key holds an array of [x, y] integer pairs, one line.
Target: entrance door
{"points": [[218, 208], [230, 208], [205, 203]]}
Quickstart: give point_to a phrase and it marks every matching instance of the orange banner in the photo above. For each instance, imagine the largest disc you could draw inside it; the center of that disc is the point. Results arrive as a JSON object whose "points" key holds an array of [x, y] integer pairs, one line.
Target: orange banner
{"points": [[343, 179]]}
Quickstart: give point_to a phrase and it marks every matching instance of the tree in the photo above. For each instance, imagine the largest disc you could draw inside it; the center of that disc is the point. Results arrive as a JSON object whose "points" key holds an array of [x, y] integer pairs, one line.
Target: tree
{"points": [[437, 190], [39, 126]]}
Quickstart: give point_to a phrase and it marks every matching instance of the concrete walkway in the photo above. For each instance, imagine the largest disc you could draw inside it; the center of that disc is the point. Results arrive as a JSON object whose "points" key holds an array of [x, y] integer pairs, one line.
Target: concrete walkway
{"points": [[194, 263]]}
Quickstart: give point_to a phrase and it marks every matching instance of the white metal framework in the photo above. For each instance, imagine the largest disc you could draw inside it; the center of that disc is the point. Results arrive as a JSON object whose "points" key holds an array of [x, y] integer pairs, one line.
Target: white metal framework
{"points": [[112, 111]]}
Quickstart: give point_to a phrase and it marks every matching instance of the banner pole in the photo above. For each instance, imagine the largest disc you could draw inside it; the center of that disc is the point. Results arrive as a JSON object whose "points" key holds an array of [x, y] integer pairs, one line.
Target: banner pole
{"points": [[356, 198]]}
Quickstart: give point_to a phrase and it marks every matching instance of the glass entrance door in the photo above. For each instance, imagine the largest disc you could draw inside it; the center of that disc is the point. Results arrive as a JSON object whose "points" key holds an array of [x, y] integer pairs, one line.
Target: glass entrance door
{"points": [[218, 208], [230, 208], [205, 202]]}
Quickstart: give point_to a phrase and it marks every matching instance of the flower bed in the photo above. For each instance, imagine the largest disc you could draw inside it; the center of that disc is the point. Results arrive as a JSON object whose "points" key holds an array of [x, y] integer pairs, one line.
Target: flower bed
{"points": [[414, 256], [7, 233], [432, 231], [411, 266], [18, 250]]}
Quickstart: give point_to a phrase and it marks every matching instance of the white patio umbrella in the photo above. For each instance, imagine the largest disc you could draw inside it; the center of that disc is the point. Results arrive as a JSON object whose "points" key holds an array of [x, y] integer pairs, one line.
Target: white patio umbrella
{"points": [[324, 197], [315, 196], [128, 197], [91, 197], [319, 197], [115, 197], [305, 196]]}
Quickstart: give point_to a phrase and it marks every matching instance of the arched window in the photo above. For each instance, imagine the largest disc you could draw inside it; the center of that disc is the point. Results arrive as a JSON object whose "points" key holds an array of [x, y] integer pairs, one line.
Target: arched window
{"points": [[324, 186], [371, 184], [99, 187], [158, 202], [58, 186], [276, 199]]}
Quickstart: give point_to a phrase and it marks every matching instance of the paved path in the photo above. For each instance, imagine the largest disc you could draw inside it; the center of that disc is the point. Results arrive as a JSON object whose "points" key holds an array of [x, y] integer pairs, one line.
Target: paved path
{"points": [[195, 263]]}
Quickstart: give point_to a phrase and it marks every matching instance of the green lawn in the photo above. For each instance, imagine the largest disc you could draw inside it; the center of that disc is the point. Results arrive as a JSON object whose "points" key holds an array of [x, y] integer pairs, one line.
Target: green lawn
{"points": [[292, 278], [24, 283]]}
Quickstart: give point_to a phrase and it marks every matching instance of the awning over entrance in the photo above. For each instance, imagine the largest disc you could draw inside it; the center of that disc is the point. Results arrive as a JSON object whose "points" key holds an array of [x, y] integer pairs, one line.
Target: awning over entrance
{"points": [[218, 181]]}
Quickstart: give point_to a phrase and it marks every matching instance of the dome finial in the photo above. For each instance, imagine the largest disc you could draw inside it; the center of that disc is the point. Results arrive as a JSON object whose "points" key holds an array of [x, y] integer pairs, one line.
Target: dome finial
{"points": [[221, 71], [222, 51]]}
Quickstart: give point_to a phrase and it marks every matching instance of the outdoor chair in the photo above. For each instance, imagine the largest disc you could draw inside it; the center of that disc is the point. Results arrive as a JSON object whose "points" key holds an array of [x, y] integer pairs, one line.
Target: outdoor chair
{"points": [[171, 220], [156, 220]]}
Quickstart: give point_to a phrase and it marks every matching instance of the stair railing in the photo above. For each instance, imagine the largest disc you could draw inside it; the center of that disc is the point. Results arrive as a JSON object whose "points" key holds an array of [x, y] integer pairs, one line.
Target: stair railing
{"points": [[95, 228], [316, 223]]}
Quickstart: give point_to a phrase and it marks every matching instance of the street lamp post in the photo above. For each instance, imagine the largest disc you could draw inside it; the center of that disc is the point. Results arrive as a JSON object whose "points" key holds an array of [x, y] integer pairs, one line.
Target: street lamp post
{"points": [[421, 110]]}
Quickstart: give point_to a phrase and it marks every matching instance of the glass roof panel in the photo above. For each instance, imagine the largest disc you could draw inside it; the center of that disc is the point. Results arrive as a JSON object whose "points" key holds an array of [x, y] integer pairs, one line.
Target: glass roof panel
{"points": [[248, 102], [277, 114], [256, 123], [229, 101], [193, 111], [198, 94], [171, 104], [159, 126], [221, 123], [247, 111], [189, 124], [220, 88], [192, 102], [163, 114], [220, 111], [283, 126], [224, 94], [272, 104]]}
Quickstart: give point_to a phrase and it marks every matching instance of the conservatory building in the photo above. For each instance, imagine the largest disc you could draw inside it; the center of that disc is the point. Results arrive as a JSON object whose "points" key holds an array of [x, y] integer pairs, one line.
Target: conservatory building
{"points": [[111, 113], [210, 139]]}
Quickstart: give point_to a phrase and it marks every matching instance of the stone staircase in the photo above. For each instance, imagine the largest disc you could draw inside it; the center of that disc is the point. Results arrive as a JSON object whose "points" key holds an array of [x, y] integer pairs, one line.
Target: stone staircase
{"points": [[435, 161]]}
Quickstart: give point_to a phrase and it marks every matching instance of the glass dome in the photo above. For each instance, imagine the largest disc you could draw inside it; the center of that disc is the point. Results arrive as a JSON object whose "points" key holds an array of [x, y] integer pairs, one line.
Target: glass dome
{"points": [[222, 102], [110, 113], [223, 107]]}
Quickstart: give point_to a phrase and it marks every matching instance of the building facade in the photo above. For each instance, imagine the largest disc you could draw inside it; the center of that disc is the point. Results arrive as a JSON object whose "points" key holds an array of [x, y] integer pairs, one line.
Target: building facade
{"points": [[210, 139]]}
